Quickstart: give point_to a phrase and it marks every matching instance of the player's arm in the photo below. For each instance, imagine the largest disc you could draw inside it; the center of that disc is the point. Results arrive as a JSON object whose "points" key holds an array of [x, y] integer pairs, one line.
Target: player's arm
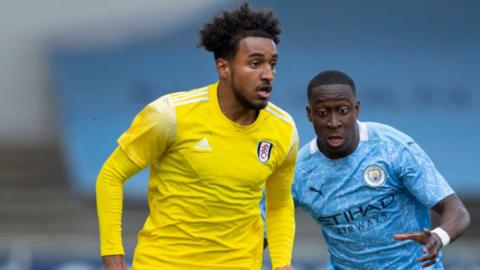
{"points": [[279, 210], [454, 219], [295, 201], [429, 187], [262, 213], [114, 262], [151, 133], [454, 216], [114, 173]]}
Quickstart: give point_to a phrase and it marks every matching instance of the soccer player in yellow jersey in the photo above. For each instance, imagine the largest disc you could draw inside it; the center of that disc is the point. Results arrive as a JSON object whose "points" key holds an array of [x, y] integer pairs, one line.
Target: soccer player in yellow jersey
{"points": [[211, 152]]}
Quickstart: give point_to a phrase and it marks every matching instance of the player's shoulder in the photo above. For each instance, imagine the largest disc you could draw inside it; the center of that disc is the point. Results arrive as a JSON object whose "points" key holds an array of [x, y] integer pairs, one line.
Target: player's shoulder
{"points": [[306, 161], [307, 150], [386, 134], [279, 114], [307, 157], [171, 101], [197, 95]]}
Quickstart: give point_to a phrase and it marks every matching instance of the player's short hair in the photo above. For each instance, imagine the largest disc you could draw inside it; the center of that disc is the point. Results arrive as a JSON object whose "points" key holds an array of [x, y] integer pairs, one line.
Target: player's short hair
{"points": [[226, 29], [330, 77]]}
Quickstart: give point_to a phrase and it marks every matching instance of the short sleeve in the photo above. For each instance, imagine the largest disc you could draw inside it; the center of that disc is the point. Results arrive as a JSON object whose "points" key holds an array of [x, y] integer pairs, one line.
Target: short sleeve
{"points": [[420, 177], [151, 132]]}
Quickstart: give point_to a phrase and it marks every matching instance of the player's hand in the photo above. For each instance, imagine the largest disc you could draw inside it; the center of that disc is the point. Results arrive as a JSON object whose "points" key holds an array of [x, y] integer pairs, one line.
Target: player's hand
{"points": [[114, 262], [431, 244], [286, 267]]}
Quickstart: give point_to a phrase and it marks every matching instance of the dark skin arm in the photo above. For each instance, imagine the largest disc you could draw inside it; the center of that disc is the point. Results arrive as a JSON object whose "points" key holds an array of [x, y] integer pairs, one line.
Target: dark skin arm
{"points": [[114, 262], [454, 219]]}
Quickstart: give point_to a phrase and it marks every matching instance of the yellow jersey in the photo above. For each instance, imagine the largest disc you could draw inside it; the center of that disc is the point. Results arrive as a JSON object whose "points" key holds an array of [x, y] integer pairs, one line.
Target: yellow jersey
{"points": [[206, 180]]}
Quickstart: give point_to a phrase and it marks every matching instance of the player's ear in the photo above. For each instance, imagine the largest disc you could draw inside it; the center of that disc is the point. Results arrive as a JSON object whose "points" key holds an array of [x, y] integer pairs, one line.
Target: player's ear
{"points": [[223, 69], [309, 113]]}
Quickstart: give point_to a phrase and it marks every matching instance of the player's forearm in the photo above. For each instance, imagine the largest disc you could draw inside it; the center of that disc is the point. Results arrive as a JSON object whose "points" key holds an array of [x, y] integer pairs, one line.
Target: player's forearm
{"points": [[454, 217], [116, 170], [280, 223], [109, 209], [114, 262]]}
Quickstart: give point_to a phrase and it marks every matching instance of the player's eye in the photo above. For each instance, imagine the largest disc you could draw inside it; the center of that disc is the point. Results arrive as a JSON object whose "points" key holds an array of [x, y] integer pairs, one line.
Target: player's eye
{"points": [[254, 64], [322, 113], [344, 110]]}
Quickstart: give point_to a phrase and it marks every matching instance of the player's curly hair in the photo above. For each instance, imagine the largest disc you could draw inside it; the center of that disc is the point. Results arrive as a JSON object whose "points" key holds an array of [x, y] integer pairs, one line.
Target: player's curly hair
{"points": [[223, 33]]}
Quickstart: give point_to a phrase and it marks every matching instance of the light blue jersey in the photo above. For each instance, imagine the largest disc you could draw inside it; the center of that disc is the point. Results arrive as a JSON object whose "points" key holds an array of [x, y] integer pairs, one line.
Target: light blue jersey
{"points": [[386, 186]]}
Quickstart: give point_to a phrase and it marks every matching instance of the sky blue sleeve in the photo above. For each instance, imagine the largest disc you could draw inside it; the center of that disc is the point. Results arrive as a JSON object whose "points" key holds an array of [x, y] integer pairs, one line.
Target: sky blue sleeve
{"points": [[420, 177]]}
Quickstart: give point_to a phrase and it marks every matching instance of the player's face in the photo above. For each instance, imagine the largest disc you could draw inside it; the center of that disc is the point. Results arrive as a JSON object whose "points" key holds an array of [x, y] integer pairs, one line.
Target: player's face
{"points": [[333, 110], [252, 72]]}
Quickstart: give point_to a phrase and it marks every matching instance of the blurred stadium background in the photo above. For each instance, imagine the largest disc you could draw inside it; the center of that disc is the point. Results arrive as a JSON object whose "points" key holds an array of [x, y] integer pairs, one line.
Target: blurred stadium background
{"points": [[74, 73]]}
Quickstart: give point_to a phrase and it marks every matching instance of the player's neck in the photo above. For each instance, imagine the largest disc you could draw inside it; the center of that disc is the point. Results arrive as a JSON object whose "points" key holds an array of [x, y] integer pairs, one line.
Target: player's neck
{"points": [[232, 109]]}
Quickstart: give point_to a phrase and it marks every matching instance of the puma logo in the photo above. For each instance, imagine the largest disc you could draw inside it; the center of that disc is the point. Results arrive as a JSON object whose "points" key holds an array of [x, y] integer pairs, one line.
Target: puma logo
{"points": [[319, 191]]}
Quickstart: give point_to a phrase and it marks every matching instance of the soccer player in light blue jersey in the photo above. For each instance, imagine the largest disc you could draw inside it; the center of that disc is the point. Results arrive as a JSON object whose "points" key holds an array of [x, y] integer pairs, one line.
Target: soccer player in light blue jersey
{"points": [[371, 187]]}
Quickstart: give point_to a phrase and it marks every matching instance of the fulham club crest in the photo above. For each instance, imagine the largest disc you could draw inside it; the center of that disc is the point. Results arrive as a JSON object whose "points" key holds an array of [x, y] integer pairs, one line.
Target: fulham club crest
{"points": [[264, 149]]}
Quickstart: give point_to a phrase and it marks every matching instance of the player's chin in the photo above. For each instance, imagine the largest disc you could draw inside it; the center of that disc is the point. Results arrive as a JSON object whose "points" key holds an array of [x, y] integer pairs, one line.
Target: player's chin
{"points": [[263, 105], [337, 149], [260, 104]]}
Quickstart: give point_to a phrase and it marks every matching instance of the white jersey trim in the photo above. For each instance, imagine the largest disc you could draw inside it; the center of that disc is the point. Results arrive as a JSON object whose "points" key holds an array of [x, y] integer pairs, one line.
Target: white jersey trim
{"points": [[191, 101], [181, 98], [314, 146], [363, 130], [284, 118]]}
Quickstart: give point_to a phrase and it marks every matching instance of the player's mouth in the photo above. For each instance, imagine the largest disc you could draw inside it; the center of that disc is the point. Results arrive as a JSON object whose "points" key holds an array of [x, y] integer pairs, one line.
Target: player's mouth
{"points": [[335, 141], [264, 91]]}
